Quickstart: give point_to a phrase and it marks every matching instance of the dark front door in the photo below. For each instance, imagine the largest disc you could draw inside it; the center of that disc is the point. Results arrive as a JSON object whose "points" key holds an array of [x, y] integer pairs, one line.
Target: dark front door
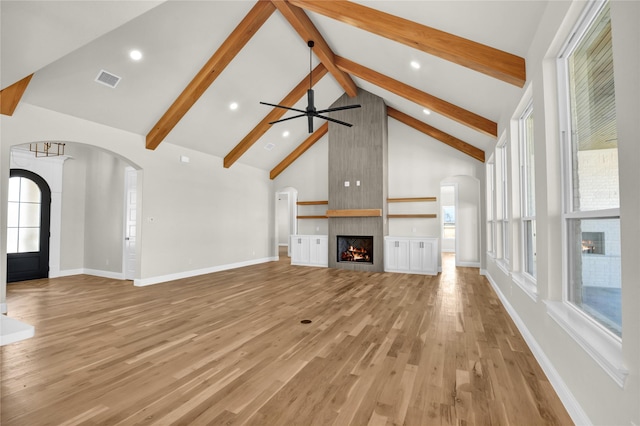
{"points": [[28, 217]]}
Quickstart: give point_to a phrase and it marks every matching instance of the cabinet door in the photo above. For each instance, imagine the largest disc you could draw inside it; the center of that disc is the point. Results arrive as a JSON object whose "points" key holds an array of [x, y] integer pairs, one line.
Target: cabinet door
{"points": [[416, 254], [396, 255], [404, 257], [429, 258], [318, 251], [390, 255], [423, 259], [299, 249]]}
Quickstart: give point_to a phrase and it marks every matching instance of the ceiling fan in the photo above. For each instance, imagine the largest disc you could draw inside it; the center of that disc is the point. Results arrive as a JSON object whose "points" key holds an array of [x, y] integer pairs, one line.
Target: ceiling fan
{"points": [[311, 111]]}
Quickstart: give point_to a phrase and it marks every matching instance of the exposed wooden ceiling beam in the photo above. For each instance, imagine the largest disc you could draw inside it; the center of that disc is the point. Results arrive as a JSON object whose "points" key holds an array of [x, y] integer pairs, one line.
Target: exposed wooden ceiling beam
{"points": [[440, 106], [452, 141], [210, 71], [479, 57], [301, 149], [303, 25], [10, 96], [294, 96]]}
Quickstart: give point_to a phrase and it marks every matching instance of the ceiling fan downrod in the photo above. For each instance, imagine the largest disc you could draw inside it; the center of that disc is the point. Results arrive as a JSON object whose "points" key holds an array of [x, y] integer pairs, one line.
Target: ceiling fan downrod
{"points": [[311, 111]]}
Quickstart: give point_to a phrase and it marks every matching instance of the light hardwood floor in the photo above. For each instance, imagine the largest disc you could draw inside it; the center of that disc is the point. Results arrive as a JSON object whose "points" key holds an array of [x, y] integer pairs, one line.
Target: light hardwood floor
{"points": [[229, 348]]}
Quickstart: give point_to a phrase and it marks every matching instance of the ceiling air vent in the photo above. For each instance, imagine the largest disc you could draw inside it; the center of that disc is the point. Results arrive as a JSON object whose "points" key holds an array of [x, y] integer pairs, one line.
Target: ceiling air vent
{"points": [[269, 146], [108, 79]]}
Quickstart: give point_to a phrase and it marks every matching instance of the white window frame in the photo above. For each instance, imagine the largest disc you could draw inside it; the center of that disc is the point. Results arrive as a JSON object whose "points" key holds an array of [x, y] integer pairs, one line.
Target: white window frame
{"points": [[502, 222], [491, 202], [523, 278], [601, 344]]}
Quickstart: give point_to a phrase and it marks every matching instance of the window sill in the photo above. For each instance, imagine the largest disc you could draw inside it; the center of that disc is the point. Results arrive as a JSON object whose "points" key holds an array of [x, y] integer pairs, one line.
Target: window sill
{"points": [[604, 348], [527, 283]]}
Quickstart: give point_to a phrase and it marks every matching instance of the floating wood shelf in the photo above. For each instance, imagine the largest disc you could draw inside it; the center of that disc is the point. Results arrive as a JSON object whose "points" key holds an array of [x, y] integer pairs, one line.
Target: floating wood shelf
{"points": [[311, 203], [408, 216], [311, 217], [355, 213], [410, 200]]}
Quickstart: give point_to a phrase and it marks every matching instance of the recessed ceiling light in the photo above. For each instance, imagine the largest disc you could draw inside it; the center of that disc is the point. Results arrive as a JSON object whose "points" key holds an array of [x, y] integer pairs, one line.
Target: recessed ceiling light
{"points": [[233, 106], [285, 133], [415, 65], [136, 55], [426, 111]]}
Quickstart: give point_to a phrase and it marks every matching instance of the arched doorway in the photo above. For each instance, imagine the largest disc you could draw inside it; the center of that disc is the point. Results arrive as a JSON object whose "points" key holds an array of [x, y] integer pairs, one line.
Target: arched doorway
{"points": [[28, 222]]}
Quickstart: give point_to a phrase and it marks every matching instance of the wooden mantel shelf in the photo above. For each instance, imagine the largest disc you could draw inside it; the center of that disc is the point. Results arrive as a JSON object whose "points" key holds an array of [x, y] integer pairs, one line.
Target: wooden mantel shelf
{"points": [[410, 200], [311, 203], [355, 213]]}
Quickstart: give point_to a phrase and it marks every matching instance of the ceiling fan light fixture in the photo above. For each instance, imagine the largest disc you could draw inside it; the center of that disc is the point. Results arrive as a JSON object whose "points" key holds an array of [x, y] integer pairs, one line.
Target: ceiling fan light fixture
{"points": [[311, 110]]}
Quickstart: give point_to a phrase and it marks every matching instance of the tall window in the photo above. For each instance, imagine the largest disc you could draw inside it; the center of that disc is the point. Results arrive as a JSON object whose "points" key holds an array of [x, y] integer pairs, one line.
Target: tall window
{"points": [[23, 216], [491, 197], [592, 214], [527, 192], [503, 198]]}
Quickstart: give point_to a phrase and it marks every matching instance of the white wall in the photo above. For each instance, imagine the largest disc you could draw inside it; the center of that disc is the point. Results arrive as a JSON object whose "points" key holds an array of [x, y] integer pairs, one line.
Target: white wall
{"points": [[588, 391], [196, 216], [73, 212], [308, 174], [417, 166], [104, 212]]}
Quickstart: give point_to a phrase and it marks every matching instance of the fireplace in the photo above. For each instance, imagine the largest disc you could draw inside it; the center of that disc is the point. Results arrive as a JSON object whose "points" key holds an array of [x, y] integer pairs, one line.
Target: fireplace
{"points": [[355, 249]]}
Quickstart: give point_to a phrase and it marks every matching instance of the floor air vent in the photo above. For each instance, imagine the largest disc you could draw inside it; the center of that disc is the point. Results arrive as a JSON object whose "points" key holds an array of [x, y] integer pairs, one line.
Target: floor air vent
{"points": [[108, 79]]}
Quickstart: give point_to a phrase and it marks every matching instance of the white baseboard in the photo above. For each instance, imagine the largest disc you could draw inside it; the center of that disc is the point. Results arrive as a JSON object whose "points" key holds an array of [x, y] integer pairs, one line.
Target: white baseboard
{"points": [[187, 274], [94, 272], [66, 273], [3, 308], [572, 406], [468, 264], [105, 274]]}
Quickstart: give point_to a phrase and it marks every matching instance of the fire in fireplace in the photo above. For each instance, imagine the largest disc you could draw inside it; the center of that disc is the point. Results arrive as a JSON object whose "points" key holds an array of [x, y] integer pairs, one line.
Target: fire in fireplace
{"points": [[355, 248]]}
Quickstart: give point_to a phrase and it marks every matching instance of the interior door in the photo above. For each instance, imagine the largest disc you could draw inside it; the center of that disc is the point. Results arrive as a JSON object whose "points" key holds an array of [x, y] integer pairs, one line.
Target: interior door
{"points": [[28, 219], [131, 180]]}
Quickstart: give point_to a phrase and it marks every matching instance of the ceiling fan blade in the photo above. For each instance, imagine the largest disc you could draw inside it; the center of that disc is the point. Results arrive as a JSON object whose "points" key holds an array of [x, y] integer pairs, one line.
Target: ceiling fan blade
{"points": [[310, 121], [334, 120], [338, 108], [283, 107], [288, 118]]}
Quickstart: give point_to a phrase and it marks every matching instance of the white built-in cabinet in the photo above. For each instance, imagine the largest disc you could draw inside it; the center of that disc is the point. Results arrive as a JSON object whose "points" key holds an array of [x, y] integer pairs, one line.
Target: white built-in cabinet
{"points": [[412, 255], [310, 250]]}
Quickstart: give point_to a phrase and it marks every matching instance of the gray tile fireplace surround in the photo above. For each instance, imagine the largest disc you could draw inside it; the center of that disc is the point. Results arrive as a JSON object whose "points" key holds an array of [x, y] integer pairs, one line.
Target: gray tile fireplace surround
{"points": [[358, 158]]}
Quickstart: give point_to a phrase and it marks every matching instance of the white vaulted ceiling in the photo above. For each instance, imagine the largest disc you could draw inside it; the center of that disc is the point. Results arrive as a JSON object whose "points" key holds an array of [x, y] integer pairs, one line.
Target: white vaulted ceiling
{"points": [[66, 44]]}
